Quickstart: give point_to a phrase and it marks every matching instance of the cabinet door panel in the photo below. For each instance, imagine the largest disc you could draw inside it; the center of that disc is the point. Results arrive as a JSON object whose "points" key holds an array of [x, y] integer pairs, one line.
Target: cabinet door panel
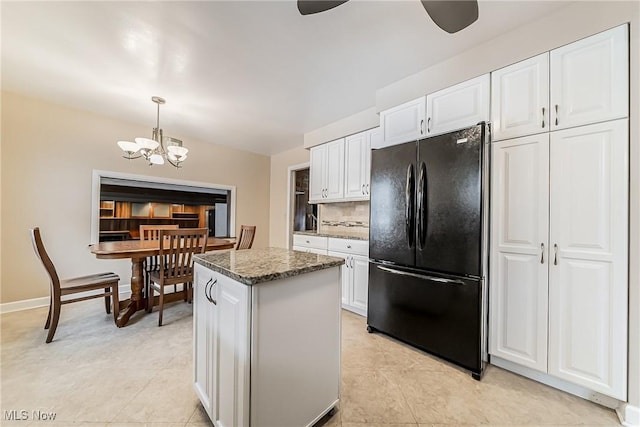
{"points": [[588, 275], [233, 353], [589, 79], [335, 170], [460, 106], [520, 98], [519, 227], [403, 123], [204, 350], [317, 170], [360, 280], [355, 147], [345, 276], [372, 137]]}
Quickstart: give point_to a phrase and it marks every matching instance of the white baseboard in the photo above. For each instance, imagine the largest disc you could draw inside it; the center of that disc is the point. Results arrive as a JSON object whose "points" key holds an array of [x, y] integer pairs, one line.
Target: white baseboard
{"points": [[629, 415], [124, 292], [559, 384]]}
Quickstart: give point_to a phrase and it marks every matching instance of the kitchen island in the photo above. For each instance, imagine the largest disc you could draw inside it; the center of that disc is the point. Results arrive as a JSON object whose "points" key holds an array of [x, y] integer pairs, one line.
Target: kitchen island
{"points": [[266, 336]]}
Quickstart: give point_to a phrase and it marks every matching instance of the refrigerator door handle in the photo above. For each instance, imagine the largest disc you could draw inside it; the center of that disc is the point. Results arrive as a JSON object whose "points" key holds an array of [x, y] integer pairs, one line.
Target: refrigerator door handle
{"points": [[422, 220], [408, 214], [422, 276]]}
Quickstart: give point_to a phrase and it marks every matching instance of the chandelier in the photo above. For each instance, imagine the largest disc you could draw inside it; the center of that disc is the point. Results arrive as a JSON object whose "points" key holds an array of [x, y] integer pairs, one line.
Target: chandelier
{"points": [[153, 150]]}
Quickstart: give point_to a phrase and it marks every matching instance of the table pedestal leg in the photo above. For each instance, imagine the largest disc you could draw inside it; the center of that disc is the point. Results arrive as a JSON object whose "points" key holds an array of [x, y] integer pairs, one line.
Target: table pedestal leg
{"points": [[137, 301]]}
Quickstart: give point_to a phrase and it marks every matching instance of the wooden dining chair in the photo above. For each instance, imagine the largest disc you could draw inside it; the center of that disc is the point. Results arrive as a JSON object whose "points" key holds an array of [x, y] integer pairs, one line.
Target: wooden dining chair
{"points": [[247, 233], [176, 263], [152, 263], [106, 282]]}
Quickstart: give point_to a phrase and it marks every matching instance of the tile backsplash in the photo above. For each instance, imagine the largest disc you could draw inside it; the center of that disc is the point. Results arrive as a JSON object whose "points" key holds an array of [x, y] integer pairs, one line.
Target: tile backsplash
{"points": [[345, 217]]}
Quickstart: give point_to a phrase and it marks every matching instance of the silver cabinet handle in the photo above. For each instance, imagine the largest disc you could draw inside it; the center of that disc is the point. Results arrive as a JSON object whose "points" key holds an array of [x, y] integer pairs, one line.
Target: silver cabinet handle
{"points": [[206, 294], [422, 127], [556, 114], [215, 282], [541, 253], [429, 125], [348, 246], [363, 189], [307, 241], [367, 188], [210, 284], [351, 262], [555, 256], [543, 117]]}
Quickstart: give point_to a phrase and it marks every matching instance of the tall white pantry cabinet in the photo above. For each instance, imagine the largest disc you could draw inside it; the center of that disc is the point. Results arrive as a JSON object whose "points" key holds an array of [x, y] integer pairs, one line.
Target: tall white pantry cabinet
{"points": [[559, 215]]}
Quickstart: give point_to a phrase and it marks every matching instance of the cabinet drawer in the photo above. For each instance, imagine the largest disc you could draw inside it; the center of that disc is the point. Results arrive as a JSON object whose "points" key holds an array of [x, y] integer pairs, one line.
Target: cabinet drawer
{"points": [[353, 247], [316, 242]]}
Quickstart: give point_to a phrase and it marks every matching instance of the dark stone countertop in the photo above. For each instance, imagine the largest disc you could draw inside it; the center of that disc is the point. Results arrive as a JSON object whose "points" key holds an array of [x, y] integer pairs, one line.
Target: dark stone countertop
{"points": [[253, 266]]}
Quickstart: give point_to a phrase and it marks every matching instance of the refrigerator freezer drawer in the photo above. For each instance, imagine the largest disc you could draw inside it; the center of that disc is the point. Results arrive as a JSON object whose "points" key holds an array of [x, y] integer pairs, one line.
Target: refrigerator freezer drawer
{"points": [[436, 313]]}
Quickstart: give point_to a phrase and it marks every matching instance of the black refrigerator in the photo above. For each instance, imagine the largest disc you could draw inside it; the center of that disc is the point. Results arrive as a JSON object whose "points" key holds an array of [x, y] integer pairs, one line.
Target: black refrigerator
{"points": [[428, 236]]}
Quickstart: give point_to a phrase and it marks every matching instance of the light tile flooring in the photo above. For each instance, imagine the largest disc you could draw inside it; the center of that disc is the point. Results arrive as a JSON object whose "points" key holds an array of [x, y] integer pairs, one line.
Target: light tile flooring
{"points": [[94, 374]]}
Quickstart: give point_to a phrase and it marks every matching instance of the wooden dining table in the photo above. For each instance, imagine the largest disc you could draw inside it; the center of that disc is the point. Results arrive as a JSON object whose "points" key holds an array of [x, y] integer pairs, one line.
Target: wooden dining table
{"points": [[138, 251]]}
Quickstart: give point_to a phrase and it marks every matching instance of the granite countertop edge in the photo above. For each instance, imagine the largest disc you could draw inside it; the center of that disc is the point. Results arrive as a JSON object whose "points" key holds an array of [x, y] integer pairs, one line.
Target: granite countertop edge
{"points": [[333, 235], [268, 277]]}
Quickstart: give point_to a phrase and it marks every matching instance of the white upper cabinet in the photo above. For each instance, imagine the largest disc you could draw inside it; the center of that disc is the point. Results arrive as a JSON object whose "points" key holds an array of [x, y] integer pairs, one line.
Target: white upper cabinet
{"points": [[403, 123], [589, 80], [520, 98], [588, 256], [326, 181], [460, 106], [519, 250], [341, 170], [357, 165], [376, 137], [335, 170], [318, 162]]}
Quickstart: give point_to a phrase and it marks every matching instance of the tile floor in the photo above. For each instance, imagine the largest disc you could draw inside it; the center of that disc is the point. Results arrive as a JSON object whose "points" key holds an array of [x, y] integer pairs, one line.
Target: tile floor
{"points": [[94, 374]]}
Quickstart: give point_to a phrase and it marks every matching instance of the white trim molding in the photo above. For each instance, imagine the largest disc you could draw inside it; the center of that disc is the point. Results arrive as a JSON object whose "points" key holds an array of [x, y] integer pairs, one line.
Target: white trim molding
{"points": [[557, 383], [124, 292], [95, 195], [629, 415]]}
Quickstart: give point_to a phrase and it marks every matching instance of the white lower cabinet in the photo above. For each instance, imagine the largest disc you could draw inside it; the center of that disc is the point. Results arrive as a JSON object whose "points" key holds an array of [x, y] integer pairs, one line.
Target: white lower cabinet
{"points": [[247, 345], [355, 272], [221, 354], [311, 244], [205, 318], [559, 255]]}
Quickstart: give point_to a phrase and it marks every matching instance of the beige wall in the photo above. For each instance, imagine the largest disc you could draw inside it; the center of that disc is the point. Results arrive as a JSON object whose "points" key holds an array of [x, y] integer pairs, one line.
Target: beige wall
{"points": [[350, 125], [48, 154], [280, 164]]}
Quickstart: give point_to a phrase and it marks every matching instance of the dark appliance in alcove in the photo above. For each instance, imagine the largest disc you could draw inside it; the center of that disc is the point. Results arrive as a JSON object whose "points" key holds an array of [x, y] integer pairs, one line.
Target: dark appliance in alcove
{"points": [[305, 216]]}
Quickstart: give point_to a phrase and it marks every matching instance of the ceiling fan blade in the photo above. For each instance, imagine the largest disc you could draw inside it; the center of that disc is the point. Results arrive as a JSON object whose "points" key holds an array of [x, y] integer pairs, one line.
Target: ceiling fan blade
{"points": [[453, 15], [308, 7]]}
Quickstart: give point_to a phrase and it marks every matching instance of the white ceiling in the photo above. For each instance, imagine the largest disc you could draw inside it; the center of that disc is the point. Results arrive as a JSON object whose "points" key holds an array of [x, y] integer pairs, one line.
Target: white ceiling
{"points": [[252, 75]]}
